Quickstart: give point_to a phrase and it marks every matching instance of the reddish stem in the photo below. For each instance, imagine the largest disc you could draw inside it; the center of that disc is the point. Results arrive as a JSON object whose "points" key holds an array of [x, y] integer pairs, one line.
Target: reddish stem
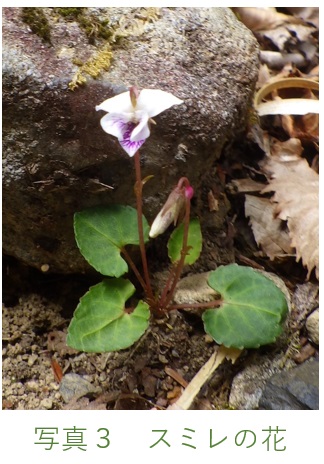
{"points": [[168, 294], [207, 304], [166, 287], [138, 192]]}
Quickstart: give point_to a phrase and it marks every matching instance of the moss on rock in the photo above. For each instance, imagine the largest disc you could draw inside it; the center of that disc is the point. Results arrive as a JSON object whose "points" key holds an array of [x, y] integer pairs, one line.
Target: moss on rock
{"points": [[92, 26], [37, 21], [93, 67]]}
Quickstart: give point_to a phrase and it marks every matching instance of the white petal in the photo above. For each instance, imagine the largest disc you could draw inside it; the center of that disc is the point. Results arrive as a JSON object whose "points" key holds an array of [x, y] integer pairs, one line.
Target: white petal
{"points": [[160, 223], [114, 124], [154, 101], [131, 147], [141, 131], [124, 137], [119, 104]]}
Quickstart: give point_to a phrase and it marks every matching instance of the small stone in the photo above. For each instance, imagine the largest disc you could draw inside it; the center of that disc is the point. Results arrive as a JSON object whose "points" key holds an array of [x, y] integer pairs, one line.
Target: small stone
{"points": [[32, 385], [163, 359], [46, 403], [75, 386], [31, 359], [312, 326]]}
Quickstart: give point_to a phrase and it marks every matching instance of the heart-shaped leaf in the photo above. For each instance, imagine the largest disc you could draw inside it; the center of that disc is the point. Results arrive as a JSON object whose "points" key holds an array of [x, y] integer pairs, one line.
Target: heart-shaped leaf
{"points": [[101, 232], [252, 310], [194, 242], [101, 323]]}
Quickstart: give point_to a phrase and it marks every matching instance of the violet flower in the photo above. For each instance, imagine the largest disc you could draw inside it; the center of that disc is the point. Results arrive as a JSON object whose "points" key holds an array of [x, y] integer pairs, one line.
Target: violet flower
{"points": [[129, 114]]}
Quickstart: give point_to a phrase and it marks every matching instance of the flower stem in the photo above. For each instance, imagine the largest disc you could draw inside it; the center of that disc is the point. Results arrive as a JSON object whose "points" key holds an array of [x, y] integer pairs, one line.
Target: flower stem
{"points": [[138, 193], [168, 294], [203, 305]]}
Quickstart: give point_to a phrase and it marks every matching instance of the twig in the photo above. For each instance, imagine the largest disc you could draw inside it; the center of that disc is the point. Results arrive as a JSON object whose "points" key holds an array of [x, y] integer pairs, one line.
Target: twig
{"points": [[193, 388]]}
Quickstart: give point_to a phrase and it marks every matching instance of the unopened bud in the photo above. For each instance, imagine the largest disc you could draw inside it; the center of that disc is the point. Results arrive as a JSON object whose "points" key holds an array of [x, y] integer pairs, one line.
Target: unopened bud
{"points": [[172, 211]]}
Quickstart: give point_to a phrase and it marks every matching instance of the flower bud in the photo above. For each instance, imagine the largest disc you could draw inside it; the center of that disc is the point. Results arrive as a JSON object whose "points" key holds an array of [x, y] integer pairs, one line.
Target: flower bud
{"points": [[172, 211]]}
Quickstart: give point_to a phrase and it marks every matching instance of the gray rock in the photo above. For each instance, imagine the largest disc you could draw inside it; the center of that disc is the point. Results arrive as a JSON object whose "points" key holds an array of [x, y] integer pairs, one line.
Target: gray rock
{"points": [[248, 385], [297, 388], [57, 159], [194, 289]]}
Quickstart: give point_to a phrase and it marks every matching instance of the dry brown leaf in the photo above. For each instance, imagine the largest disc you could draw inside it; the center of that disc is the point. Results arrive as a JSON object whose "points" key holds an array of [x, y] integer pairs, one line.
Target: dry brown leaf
{"points": [[290, 149], [296, 93], [264, 75], [259, 19], [296, 195], [269, 231], [246, 185], [304, 127], [308, 13], [277, 60]]}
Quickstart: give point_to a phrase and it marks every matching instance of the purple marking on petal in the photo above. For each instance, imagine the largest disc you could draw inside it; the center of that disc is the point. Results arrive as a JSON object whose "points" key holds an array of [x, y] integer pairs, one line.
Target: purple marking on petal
{"points": [[128, 145]]}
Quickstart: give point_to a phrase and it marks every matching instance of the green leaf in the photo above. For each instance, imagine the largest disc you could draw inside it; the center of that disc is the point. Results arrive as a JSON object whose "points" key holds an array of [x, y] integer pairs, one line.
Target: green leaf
{"points": [[252, 311], [100, 322], [101, 232], [194, 242]]}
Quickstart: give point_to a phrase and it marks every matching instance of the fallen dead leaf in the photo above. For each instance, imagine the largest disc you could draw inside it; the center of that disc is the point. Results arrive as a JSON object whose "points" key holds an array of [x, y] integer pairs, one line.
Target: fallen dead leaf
{"points": [[309, 13], [290, 149], [277, 60], [246, 185], [296, 191], [269, 232], [259, 19], [292, 104], [57, 370]]}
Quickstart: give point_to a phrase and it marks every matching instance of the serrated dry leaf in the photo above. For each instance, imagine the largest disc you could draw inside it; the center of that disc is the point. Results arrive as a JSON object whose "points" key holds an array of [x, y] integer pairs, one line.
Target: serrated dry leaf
{"points": [[295, 186], [268, 230]]}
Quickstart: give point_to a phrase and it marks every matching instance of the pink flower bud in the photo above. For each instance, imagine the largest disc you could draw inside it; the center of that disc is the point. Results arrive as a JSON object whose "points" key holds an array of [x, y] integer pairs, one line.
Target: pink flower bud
{"points": [[189, 192]]}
